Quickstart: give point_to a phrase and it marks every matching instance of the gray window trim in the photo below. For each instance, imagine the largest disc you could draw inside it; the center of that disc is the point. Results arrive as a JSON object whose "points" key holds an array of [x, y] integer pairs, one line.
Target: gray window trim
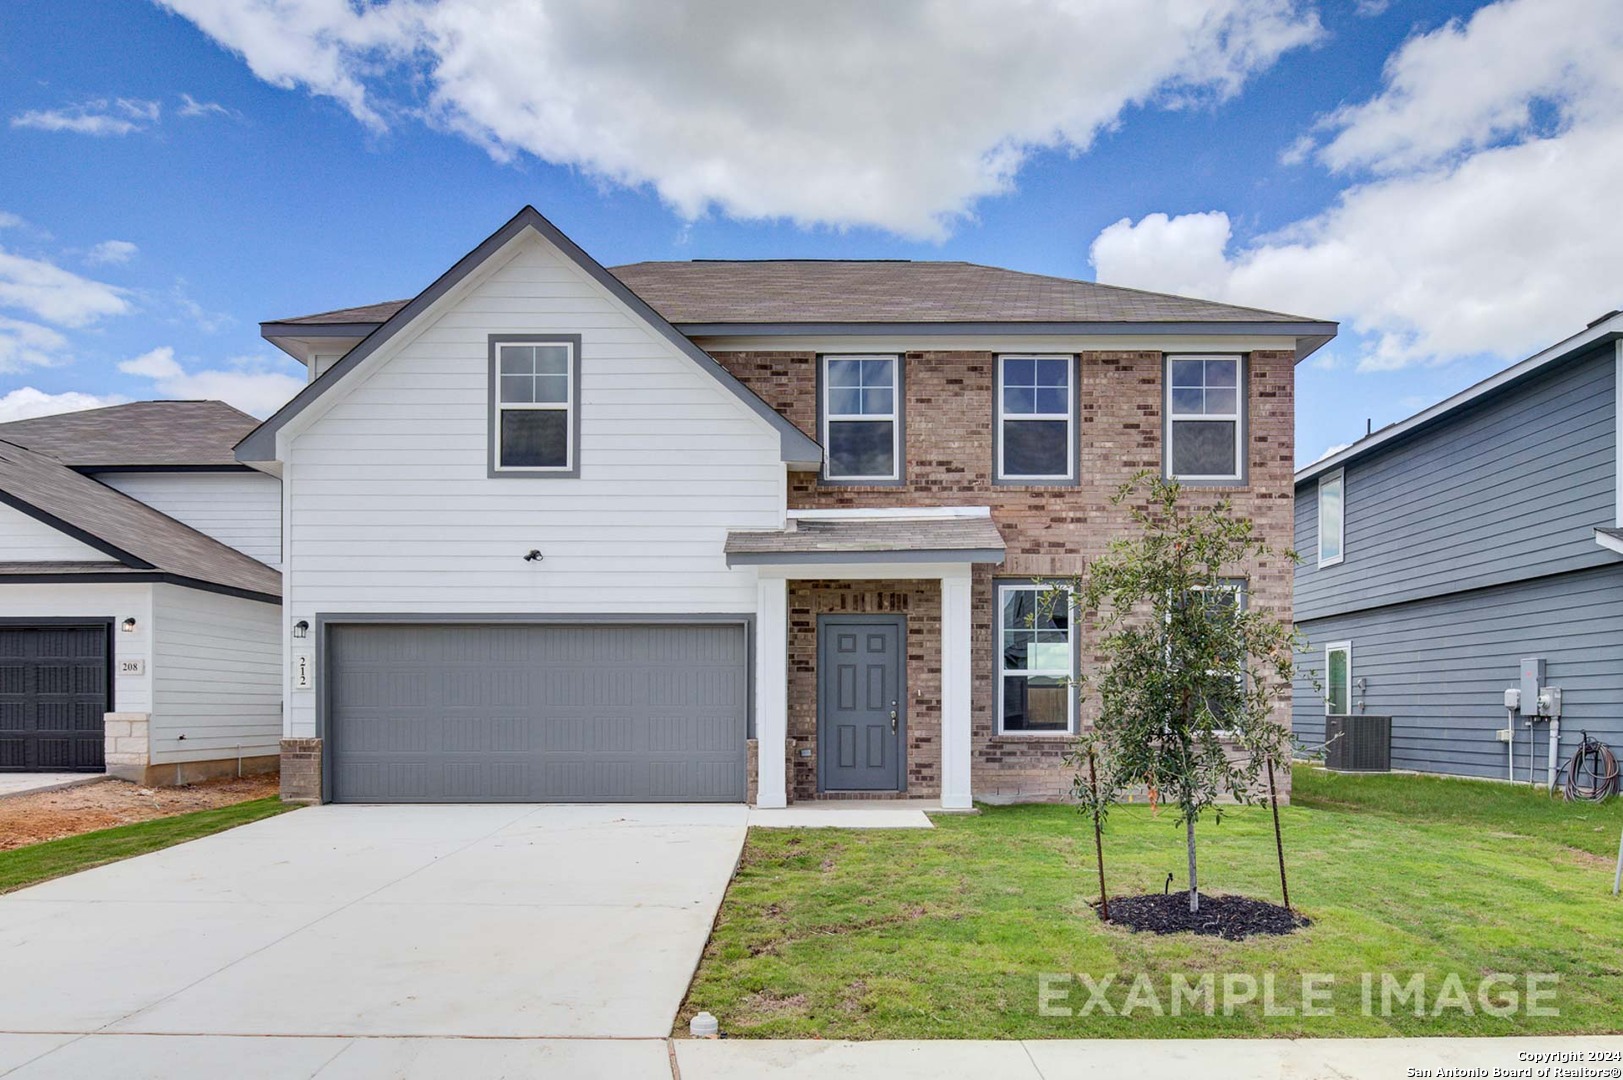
{"points": [[1075, 440], [898, 620], [325, 620], [998, 585], [494, 406], [1243, 439], [898, 438]]}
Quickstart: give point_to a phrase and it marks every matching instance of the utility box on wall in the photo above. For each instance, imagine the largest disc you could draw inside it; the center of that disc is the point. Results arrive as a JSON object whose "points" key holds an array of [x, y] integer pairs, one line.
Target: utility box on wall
{"points": [[1532, 682]]}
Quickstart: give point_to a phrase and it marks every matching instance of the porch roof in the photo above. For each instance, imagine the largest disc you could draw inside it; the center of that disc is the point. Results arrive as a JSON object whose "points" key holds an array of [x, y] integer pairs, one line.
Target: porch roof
{"points": [[955, 539]]}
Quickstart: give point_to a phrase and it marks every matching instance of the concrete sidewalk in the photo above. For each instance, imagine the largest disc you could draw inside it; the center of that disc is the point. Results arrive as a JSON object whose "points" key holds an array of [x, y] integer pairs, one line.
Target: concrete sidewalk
{"points": [[132, 1057]]}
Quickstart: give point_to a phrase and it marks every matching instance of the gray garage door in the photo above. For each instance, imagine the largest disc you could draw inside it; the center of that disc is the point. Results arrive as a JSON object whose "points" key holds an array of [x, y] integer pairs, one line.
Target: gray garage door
{"points": [[517, 713]]}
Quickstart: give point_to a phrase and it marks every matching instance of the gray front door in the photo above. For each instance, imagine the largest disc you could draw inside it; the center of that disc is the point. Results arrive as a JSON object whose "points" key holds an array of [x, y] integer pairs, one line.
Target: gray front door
{"points": [[860, 702], [502, 712]]}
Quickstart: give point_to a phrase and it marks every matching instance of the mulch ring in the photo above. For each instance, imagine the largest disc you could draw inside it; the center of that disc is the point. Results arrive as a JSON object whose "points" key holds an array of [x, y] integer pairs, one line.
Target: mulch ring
{"points": [[1229, 917]]}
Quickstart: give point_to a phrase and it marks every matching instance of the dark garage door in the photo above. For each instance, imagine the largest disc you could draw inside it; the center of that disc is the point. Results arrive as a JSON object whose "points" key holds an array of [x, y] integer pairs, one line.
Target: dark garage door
{"points": [[524, 713], [53, 698]]}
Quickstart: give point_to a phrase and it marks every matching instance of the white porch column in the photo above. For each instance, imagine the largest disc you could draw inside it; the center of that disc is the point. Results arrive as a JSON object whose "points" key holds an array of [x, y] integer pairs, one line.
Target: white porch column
{"points": [[955, 691], [771, 690]]}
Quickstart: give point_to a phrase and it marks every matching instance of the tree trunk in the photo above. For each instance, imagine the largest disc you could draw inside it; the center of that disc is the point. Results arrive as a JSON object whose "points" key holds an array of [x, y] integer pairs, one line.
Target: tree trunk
{"points": [[1194, 883]]}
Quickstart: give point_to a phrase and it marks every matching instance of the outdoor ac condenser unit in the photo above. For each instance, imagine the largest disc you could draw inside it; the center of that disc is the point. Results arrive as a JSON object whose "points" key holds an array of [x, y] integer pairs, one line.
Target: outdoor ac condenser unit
{"points": [[1358, 743]]}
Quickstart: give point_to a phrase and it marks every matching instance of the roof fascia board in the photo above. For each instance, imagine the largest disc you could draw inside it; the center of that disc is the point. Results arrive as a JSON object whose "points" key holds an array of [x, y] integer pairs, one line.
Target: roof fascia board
{"points": [[68, 529], [137, 577], [1601, 333], [1009, 329], [844, 558], [260, 445]]}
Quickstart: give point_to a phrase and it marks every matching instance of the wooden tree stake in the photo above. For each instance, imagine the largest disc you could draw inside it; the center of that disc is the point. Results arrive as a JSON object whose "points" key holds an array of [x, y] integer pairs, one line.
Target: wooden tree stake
{"points": [[1279, 843], [1098, 839]]}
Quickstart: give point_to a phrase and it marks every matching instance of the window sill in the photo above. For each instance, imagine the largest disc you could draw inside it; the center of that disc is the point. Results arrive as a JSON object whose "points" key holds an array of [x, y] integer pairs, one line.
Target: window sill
{"points": [[1042, 736]]}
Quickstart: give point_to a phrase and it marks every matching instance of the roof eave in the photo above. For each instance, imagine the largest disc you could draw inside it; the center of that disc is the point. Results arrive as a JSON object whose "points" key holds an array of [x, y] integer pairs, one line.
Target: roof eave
{"points": [[1310, 336], [906, 555]]}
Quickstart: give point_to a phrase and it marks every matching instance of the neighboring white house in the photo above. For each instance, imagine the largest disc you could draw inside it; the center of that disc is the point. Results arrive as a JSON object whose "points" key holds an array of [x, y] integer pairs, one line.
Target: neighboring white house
{"points": [[139, 600]]}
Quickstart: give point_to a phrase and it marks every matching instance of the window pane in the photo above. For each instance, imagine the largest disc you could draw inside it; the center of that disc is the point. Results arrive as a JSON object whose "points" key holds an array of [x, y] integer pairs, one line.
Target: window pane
{"points": [[517, 388], [1050, 655], [1019, 372], [1188, 373], [1187, 401], [535, 438], [1219, 373], [1052, 402], [552, 359], [1335, 693], [518, 359], [861, 448], [877, 402], [1017, 648], [1330, 521], [844, 402], [1036, 703], [1053, 373], [552, 388], [845, 372], [1222, 402], [877, 372], [1019, 400], [1036, 448], [1018, 605], [1203, 448]]}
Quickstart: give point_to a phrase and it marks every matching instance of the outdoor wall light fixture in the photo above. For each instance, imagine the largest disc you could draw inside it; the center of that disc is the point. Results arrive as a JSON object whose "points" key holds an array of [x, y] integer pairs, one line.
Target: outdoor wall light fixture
{"points": [[301, 629], [128, 625], [533, 555]]}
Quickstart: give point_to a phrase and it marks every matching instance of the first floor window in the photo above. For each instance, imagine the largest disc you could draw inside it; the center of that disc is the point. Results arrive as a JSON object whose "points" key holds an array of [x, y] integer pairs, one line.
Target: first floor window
{"points": [[535, 400], [1338, 679], [1036, 661], [1205, 428], [861, 407], [1036, 415]]}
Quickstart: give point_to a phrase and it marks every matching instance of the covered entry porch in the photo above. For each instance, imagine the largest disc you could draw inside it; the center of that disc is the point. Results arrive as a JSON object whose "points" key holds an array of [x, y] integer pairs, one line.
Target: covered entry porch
{"points": [[864, 653]]}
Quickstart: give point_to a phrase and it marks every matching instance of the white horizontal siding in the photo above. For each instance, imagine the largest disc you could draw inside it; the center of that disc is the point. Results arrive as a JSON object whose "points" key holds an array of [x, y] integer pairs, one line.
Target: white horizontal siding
{"points": [[96, 600], [390, 508], [240, 509], [216, 676], [27, 539]]}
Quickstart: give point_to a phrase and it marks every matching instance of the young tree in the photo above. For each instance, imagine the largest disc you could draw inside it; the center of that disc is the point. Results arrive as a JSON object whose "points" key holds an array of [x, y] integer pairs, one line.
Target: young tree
{"points": [[1191, 672]]}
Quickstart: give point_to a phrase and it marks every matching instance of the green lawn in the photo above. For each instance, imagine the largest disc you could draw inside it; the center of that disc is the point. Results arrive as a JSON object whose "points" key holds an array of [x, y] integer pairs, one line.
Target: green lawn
{"points": [[54, 858], [943, 934]]}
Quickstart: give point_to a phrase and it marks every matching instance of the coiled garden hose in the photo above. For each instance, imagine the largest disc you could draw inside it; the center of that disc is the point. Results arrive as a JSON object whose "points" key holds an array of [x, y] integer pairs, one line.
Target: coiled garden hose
{"points": [[1592, 772]]}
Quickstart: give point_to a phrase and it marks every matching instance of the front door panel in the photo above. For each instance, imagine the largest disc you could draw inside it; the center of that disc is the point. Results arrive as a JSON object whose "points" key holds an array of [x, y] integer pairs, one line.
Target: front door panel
{"points": [[860, 702]]}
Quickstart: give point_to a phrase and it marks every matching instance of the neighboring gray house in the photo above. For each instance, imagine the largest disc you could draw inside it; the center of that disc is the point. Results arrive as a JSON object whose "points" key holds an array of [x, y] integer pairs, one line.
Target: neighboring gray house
{"points": [[1439, 552]]}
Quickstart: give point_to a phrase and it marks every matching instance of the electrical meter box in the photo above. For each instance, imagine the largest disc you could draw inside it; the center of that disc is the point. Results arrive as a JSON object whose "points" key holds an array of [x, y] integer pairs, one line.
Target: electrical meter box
{"points": [[1532, 683]]}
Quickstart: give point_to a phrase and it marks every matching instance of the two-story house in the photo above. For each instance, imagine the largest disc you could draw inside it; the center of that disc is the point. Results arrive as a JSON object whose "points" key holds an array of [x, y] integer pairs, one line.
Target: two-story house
{"points": [[729, 530], [1442, 551]]}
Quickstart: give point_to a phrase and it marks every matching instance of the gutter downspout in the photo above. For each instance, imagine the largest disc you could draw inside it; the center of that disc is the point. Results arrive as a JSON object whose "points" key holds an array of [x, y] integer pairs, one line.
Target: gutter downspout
{"points": [[1555, 745]]}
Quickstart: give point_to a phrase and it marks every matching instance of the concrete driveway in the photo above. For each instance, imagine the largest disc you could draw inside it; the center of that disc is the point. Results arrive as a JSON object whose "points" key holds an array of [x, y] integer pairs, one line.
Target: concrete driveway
{"points": [[338, 922]]}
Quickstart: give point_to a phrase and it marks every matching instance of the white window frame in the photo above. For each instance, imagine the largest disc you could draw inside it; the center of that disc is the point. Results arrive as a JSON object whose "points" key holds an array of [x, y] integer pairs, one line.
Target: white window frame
{"points": [[566, 406], [1339, 478], [1238, 416], [1332, 647], [1239, 587], [826, 417], [1069, 416], [1071, 710]]}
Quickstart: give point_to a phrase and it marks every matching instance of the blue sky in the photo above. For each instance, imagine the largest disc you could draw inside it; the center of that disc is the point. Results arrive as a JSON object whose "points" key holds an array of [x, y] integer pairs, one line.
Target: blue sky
{"points": [[172, 174]]}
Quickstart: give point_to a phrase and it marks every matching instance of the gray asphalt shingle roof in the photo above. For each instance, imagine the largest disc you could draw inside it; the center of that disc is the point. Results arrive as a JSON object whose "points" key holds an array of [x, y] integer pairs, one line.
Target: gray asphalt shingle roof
{"points": [[140, 433], [975, 538], [875, 291]]}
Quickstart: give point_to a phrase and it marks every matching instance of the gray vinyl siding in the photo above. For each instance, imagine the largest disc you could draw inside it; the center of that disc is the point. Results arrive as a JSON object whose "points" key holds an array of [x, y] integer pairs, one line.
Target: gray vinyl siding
{"points": [[1507, 490], [1439, 668]]}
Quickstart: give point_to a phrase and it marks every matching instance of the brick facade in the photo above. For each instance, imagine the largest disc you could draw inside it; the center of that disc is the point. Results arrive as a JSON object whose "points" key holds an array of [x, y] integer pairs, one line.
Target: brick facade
{"points": [[1049, 530], [301, 770]]}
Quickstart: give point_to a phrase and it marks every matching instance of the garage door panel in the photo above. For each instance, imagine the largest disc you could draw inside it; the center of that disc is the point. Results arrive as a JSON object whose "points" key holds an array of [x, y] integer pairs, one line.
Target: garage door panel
{"points": [[452, 713], [53, 697]]}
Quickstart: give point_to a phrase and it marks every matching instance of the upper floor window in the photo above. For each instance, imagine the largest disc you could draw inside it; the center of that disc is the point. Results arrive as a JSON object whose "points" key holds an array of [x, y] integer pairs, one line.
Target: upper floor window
{"points": [[1332, 517], [535, 422], [1036, 419], [862, 418], [1205, 421]]}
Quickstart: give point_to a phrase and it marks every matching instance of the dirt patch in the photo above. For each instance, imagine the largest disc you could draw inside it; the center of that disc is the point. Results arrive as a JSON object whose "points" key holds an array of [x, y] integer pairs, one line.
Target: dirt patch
{"points": [[1229, 917], [51, 815], [766, 1003]]}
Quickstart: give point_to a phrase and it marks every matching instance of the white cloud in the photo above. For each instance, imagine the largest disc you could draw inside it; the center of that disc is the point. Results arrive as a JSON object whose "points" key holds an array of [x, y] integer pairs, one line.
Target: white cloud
{"points": [[100, 116], [9, 220], [25, 402], [249, 383], [192, 108], [111, 251], [845, 113], [28, 344], [1330, 451], [1480, 230], [56, 295]]}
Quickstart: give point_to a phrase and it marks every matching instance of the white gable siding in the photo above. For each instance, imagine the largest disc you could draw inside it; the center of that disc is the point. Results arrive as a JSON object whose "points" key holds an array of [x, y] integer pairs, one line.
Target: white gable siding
{"points": [[216, 676], [239, 509], [390, 508], [27, 539]]}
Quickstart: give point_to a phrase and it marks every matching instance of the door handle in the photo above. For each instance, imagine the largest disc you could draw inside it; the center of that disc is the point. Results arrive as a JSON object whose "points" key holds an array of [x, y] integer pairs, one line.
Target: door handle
{"points": [[893, 718]]}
